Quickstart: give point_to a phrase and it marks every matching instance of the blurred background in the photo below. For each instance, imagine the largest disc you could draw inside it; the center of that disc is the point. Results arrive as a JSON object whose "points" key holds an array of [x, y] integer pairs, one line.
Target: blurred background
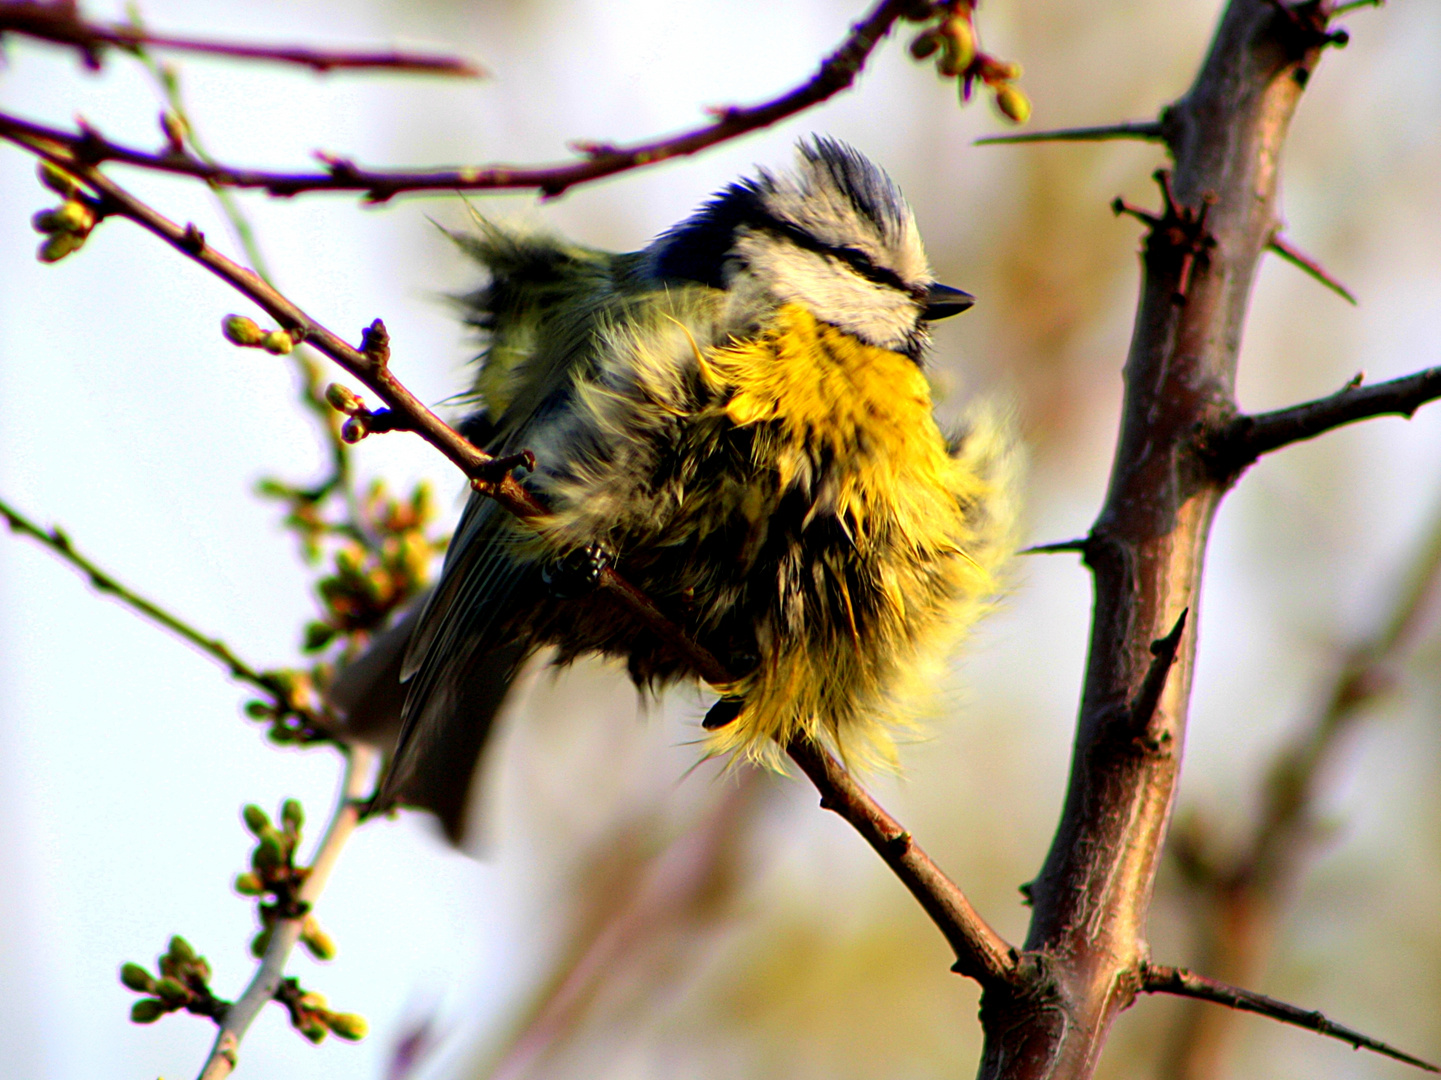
{"points": [[629, 916]]}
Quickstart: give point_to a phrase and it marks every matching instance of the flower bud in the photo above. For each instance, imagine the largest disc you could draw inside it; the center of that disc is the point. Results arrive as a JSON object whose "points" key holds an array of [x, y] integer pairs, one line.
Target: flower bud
{"points": [[75, 216], [960, 43], [59, 245], [147, 1011], [260, 942], [317, 636], [45, 221], [137, 978], [181, 951], [320, 944], [1012, 102], [277, 342], [342, 398], [353, 430], [242, 331], [348, 1026]]}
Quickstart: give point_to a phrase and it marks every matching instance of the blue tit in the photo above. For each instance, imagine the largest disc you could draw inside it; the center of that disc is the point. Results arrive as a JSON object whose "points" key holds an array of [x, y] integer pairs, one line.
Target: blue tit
{"points": [[737, 418]]}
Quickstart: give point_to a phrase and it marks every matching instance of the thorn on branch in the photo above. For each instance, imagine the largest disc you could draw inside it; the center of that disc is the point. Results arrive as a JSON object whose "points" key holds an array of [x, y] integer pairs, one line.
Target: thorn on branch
{"points": [[1142, 130], [1079, 544], [1142, 710], [1163, 979], [1306, 27], [1177, 233], [1310, 265]]}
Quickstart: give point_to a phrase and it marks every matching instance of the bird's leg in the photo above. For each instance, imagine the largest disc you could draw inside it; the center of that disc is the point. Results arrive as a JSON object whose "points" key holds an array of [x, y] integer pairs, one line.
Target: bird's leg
{"points": [[577, 573]]}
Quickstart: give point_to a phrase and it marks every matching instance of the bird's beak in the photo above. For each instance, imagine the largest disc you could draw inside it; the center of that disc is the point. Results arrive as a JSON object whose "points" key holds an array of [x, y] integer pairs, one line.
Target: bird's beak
{"points": [[942, 302]]}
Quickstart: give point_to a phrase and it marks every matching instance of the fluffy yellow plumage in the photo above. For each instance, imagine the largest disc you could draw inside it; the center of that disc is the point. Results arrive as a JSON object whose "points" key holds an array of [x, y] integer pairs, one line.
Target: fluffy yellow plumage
{"points": [[737, 418]]}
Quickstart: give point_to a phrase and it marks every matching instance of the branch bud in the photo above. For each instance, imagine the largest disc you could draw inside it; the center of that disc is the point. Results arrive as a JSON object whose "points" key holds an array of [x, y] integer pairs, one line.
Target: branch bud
{"points": [[343, 399], [348, 1026], [320, 944], [147, 1011], [242, 331], [249, 884], [57, 179], [353, 430], [256, 819], [137, 978], [277, 342], [292, 816], [1013, 103], [59, 245], [172, 991]]}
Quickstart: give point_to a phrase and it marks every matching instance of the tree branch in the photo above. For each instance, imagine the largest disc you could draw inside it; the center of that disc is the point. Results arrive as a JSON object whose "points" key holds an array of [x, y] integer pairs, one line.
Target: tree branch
{"points": [[1244, 892], [1235, 445], [60, 22], [980, 951], [1160, 979], [318, 720], [836, 73], [355, 786]]}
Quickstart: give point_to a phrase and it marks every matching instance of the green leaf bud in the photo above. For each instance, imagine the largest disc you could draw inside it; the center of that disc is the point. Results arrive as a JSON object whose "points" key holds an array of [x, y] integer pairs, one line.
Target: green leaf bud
{"points": [[292, 816], [320, 944], [960, 42], [315, 1031], [256, 820], [349, 1026], [317, 636], [57, 179], [926, 43], [277, 342], [353, 430], [260, 942], [137, 978], [241, 331], [1013, 103], [269, 853], [172, 991], [46, 221], [181, 951], [59, 245], [259, 710], [147, 1011], [249, 883]]}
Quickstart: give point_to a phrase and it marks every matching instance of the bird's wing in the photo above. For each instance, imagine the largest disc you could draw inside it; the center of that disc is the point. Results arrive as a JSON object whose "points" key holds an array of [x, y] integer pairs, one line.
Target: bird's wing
{"points": [[535, 313]]}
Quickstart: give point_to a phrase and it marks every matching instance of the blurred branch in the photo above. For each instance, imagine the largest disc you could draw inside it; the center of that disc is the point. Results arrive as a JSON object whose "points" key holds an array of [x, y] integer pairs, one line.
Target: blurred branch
{"points": [[1159, 979], [278, 690], [60, 22], [981, 953], [1236, 444], [1244, 894], [836, 73], [269, 980]]}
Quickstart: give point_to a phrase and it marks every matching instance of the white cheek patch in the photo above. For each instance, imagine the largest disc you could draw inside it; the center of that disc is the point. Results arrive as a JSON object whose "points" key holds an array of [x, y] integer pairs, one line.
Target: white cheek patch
{"points": [[873, 312]]}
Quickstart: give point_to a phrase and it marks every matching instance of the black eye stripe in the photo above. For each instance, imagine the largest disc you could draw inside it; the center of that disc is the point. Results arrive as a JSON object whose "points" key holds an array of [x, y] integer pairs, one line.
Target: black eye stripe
{"points": [[857, 260]]}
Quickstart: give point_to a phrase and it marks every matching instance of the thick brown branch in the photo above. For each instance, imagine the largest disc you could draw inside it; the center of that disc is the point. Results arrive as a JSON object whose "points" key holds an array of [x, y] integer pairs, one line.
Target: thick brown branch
{"points": [[1237, 444], [60, 22], [980, 952], [1159, 979], [837, 72]]}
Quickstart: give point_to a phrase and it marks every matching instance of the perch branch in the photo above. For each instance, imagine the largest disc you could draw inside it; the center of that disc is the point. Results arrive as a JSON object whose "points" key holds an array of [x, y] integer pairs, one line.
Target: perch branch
{"points": [[1237, 444], [60, 22], [1160, 979], [836, 73], [359, 765], [980, 952]]}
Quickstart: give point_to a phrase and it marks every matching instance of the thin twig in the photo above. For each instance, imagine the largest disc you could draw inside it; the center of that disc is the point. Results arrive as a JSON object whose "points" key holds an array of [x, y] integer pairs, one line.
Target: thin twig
{"points": [[836, 73], [60, 22], [980, 951], [59, 543], [1160, 979], [355, 786], [1239, 443], [1309, 265], [1144, 130], [1058, 547]]}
